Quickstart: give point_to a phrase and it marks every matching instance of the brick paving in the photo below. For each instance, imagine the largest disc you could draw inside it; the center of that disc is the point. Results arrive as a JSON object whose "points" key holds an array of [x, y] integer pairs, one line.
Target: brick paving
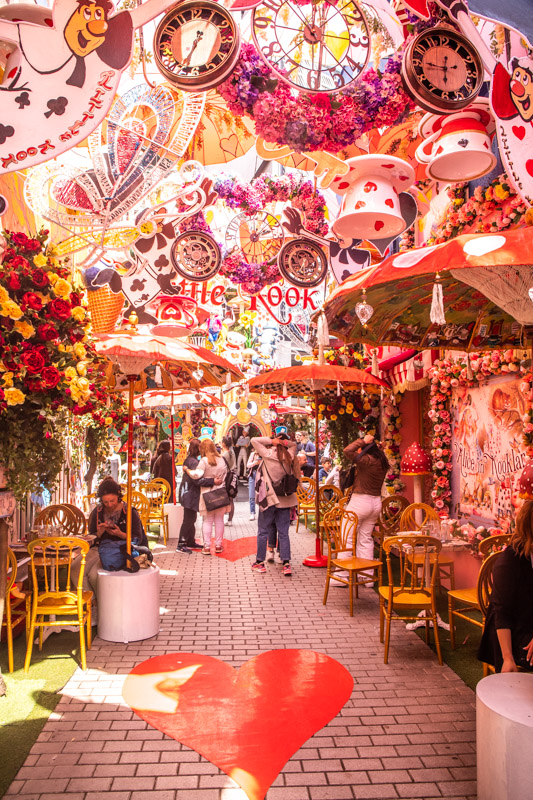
{"points": [[408, 730]]}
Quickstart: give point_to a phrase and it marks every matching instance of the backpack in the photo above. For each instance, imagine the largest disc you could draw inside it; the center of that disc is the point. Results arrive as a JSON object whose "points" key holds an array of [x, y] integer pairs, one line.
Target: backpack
{"points": [[232, 484]]}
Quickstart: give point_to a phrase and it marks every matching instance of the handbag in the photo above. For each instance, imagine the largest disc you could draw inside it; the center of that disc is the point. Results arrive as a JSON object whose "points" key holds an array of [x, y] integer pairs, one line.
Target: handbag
{"points": [[216, 498], [287, 485]]}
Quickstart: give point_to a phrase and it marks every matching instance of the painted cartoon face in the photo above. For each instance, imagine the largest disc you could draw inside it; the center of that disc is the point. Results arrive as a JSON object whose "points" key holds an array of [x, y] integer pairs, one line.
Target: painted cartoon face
{"points": [[522, 92], [86, 29]]}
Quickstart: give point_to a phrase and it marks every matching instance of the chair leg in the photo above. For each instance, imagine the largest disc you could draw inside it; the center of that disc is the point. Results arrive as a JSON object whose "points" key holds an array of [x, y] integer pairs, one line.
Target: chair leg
{"points": [[83, 654], [351, 588], [9, 636], [387, 636], [436, 631], [326, 589], [427, 630], [29, 647], [381, 619], [297, 521], [41, 629], [452, 577], [89, 626], [451, 621]]}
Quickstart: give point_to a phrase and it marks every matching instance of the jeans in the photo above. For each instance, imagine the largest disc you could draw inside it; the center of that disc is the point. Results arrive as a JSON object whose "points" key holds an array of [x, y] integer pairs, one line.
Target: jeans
{"points": [[251, 491], [186, 537], [274, 520], [216, 517]]}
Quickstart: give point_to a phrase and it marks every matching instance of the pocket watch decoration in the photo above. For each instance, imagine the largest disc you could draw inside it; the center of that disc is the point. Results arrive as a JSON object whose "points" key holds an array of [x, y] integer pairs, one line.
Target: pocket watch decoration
{"points": [[314, 47], [442, 71], [197, 45], [303, 262], [259, 236], [196, 256]]}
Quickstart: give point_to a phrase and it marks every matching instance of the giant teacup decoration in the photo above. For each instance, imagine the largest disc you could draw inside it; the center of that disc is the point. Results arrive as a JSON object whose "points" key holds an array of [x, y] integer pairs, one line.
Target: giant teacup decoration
{"points": [[457, 147], [371, 207]]}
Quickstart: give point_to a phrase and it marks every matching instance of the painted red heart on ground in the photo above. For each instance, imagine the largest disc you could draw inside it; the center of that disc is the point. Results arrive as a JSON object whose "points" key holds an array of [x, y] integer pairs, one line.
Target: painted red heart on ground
{"points": [[235, 549], [529, 166], [248, 722], [519, 131]]}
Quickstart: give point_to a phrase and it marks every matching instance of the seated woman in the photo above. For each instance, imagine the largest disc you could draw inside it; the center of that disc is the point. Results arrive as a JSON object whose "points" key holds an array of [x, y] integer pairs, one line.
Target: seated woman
{"points": [[507, 641], [108, 523]]}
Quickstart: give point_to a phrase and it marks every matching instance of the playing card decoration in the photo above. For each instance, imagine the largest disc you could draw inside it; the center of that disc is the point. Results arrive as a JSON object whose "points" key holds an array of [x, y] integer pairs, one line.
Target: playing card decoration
{"points": [[62, 74]]}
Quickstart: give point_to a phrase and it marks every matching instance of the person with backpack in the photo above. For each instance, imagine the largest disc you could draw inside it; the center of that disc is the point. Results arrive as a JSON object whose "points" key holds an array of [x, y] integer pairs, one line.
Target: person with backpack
{"points": [[277, 479], [228, 455], [211, 465]]}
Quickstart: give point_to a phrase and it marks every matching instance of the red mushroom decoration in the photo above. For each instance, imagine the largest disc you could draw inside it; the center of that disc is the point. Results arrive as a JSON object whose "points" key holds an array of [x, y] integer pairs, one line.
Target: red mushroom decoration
{"points": [[525, 484], [417, 463]]}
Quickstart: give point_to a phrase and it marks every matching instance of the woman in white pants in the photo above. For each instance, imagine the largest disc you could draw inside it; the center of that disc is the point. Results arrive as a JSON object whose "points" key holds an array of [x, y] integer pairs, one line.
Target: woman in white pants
{"points": [[211, 465], [371, 467]]}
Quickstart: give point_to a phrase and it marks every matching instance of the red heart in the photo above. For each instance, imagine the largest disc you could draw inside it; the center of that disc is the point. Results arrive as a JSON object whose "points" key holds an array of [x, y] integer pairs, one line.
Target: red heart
{"points": [[370, 187], [529, 166], [238, 548], [403, 177], [248, 722], [378, 225], [440, 148], [343, 185], [519, 131], [359, 204], [388, 166], [389, 203]]}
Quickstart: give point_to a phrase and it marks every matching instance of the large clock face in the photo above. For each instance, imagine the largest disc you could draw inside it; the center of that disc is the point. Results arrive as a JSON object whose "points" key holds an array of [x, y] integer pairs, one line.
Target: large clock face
{"points": [[197, 45], [317, 47], [442, 71]]}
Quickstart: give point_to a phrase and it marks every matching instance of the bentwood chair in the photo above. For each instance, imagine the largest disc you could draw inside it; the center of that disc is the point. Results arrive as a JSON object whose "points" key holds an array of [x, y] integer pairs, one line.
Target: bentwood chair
{"points": [[17, 606], [415, 590], [80, 519], [493, 544], [388, 523], [158, 492], [60, 516], [54, 601], [328, 497], [142, 504], [414, 518], [341, 536], [305, 494], [484, 592]]}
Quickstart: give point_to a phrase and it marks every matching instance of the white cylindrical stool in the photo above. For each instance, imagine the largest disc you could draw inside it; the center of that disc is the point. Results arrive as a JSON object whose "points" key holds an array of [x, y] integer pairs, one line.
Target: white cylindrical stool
{"points": [[128, 605], [175, 518], [504, 721]]}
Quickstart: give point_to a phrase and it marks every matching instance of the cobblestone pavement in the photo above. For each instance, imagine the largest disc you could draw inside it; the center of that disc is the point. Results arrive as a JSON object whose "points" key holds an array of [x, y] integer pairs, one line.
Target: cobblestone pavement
{"points": [[408, 730]]}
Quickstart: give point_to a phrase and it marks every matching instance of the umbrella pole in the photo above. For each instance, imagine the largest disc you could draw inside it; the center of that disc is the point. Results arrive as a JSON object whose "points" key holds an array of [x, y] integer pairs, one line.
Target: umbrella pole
{"points": [[318, 560], [172, 450], [131, 384]]}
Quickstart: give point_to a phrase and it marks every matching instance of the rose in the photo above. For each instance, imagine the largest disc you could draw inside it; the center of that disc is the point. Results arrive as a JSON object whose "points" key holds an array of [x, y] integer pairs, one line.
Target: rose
{"points": [[13, 281], [31, 300], [19, 239], [14, 397], [20, 264], [75, 299], [47, 332], [33, 361], [50, 377], [33, 245], [40, 278], [59, 309], [62, 288]]}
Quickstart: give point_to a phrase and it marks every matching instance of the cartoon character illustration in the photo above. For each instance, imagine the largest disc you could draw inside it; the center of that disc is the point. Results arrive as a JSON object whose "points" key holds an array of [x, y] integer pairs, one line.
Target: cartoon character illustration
{"points": [[62, 75], [267, 336]]}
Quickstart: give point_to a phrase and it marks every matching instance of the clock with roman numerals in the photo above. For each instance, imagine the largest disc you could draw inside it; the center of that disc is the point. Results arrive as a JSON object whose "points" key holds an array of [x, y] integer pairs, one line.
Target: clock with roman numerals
{"points": [[317, 47], [442, 71], [197, 45]]}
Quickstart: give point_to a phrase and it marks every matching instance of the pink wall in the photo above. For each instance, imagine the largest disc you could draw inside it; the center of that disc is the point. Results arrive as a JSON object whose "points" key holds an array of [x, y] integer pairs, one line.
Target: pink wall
{"points": [[410, 411]]}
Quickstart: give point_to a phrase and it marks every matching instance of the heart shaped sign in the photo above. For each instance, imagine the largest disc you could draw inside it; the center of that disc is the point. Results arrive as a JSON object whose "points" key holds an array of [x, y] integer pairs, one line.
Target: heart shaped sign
{"points": [[248, 722]]}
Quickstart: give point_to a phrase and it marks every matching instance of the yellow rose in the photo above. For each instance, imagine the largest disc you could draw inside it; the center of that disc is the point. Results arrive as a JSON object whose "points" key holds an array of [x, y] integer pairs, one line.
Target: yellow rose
{"points": [[11, 309], [75, 393], [108, 420], [81, 366], [14, 397], [341, 410], [79, 350], [62, 288], [4, 295], [349, 408], [8, 378], [71, 373], [78, 312], [40, 260], [52, 277], [321, 407], [333, 417], [83, 384], [25, 329]]}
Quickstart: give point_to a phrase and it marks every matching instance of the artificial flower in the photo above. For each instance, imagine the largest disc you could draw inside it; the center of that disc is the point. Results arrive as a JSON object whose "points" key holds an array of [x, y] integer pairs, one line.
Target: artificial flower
{"points": [[78, 313], [62, 288], [14, 397], [25, 329], [40, 260]]}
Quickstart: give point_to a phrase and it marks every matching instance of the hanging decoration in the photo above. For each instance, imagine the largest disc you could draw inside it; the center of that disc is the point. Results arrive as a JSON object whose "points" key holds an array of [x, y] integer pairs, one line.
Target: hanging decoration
{"points": [[392, 438], [62, 74]]}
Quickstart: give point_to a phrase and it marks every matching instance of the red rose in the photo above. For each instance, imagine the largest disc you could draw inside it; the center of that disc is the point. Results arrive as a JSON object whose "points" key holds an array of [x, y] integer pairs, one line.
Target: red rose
{"points": [[76, 337], [59, 309], [40, 278], [20, 263], [75, 299], [19, 239], [34, 385], [33, 361], [50, 377], [32, 245], [31, 300], [47, 332], [13, 280]]}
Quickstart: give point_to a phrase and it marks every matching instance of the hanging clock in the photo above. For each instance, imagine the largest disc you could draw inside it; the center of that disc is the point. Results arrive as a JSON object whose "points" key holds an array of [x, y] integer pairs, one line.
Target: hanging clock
{"points": [[317, 47], [259, 236], [303, 262], [197, 45], [195, 255], [442, 71]]}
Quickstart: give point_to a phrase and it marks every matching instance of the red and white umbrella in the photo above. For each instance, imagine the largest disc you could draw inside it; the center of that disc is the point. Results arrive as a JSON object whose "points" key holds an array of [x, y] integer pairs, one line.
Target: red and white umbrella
{"points": [[156, 398]]}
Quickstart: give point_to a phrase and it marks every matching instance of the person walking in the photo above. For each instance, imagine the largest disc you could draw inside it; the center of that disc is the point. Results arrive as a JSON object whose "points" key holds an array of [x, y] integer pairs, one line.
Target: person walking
{"points": [[228, 454], [211, 465], [162, 467], [251, 470], [279, 467], [189, 498]]}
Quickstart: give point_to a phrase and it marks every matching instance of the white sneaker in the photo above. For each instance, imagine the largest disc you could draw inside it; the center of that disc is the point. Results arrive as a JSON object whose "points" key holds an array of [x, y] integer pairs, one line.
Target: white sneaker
{"points": [[251, 517], [228, 523]]}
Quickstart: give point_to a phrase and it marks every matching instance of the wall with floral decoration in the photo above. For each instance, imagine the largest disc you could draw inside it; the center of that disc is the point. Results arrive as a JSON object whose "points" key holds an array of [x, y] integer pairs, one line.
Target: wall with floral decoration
{"points": [[392, 438]]}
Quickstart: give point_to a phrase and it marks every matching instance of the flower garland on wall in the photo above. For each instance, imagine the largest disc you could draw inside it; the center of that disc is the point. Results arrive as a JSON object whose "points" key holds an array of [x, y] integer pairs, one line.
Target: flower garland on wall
{"points": [[392, 437], [315, 122], [499, 196], [447, 374], [48, 367]]}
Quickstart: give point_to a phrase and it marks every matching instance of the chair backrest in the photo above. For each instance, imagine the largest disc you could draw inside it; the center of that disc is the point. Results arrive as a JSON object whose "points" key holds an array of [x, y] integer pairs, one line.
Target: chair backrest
{"points": [[341, 525], [142, 504], [11, 576], [392, 509], [419, 578], [159, 490], [328, 496], [485, 581], [89, 502], [80, 518], [60, 516], [343, 502], [493, 544], [410, 520], [51, 562], [306, 490]]}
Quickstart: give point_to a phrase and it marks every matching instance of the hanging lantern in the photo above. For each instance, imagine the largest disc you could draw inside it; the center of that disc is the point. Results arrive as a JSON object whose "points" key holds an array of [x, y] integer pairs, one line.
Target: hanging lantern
{"points": [[363, 310]]}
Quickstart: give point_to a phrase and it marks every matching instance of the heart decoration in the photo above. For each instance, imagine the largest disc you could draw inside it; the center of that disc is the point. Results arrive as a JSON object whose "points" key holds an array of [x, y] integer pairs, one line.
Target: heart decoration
{"points": [[248, 722], [463, 142], [359, 204], [529, 166], [519, 131], [235, 549], [370, 187], [389, 202], [408, 211], [378, 225]]}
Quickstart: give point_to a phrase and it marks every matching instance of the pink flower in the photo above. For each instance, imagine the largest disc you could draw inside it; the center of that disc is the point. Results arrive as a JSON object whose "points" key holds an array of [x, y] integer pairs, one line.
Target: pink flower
{"points": [[439, 504]]}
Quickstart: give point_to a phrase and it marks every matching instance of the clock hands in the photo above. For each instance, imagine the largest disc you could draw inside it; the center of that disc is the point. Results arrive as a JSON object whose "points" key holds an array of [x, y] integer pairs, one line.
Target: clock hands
{"points": [[195, 44]]}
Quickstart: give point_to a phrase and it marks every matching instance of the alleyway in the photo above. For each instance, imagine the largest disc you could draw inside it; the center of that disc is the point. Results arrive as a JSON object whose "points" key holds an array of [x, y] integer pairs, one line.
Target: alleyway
{"points": [[408, 730]]}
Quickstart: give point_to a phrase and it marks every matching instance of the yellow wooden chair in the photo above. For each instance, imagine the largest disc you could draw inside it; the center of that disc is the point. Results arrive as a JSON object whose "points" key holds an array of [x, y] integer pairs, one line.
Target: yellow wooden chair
{"points": [[142, 504], [462, 603], [484, 591], [54, 600], [416, 589], [89, 502], [410, 520], [340, 526], [305, 494], [328, 497], [80, 518], [388, 524], [158, 492], [60, 516], [17, 606]]}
